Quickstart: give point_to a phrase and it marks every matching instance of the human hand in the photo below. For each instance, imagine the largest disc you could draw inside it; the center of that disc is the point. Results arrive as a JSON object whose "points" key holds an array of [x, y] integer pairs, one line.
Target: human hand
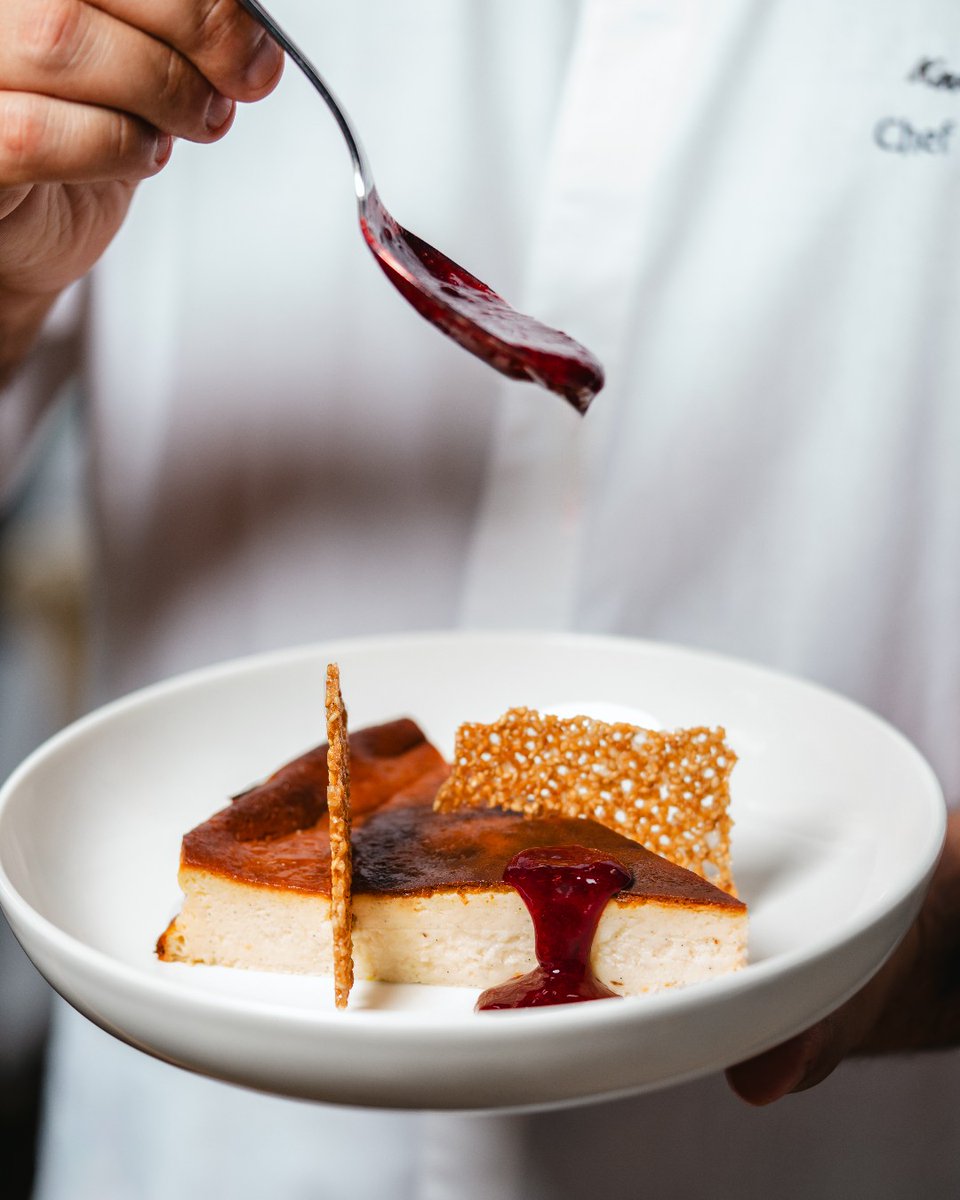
{"points": [[913, 1003], [92, 94]]}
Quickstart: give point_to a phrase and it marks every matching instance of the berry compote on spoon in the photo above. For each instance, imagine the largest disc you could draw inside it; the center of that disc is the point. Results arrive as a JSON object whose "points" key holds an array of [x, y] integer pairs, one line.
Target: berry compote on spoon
{"points": [[443, 292]]}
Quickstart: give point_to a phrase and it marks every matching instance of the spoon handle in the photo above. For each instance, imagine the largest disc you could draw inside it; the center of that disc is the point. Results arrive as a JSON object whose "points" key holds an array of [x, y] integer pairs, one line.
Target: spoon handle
{"points": [[362, 176]]}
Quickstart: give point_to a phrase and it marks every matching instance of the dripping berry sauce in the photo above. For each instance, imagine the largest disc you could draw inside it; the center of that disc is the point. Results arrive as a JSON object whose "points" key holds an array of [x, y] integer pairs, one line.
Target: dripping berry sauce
{"points": [[565, 889], [474, 315]]}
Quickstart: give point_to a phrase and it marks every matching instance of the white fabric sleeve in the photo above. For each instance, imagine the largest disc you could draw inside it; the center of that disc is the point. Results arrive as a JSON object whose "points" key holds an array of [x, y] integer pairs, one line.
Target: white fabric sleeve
{"points": [[27, 400]]}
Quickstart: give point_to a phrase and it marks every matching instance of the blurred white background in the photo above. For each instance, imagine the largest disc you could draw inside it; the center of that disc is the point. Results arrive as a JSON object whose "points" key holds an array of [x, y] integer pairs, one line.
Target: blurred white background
{"points": [[44, 585]]}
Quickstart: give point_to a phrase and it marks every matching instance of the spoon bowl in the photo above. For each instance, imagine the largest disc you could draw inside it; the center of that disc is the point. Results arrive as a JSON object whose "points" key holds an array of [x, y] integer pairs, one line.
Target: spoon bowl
{"points": [[449, 297]]}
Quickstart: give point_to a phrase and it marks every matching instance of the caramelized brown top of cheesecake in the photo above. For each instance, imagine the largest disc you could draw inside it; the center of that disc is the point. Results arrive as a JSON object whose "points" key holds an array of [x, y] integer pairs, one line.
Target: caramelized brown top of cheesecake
{"points": [[277, 832], [405, 848], [276, 835]]}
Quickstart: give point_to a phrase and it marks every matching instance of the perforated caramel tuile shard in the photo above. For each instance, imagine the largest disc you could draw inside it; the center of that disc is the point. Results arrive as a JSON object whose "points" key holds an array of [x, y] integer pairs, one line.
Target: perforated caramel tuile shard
{"points": [[669, 791], [341, 859]]}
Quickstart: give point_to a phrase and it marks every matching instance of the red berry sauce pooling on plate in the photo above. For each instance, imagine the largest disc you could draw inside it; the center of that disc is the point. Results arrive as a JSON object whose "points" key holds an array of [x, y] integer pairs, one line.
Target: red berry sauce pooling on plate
{"points": [[565, 889], [474, 315]]}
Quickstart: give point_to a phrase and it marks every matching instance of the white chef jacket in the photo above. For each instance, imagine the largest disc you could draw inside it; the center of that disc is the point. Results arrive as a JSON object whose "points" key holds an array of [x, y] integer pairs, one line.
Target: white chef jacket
{"points": [[747, 208]]}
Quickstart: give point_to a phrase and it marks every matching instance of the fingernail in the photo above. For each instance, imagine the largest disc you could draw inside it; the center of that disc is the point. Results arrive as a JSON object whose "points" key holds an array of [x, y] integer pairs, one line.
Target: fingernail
{"points": [[264, 64], [164, 149], [219, 111]]}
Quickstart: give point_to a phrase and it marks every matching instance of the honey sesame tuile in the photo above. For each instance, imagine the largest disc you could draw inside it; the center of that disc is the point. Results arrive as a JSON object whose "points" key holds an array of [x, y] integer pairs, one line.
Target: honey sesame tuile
{"points": [[341, 859], [673, 786]]}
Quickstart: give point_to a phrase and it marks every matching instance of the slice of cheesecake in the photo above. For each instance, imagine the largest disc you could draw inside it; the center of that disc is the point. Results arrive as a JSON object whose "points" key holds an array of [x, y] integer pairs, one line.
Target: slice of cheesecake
{"points": [[429, 902]]}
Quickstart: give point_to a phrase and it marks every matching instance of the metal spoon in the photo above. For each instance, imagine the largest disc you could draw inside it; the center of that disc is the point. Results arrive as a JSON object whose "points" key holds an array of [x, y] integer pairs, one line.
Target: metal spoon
{"points": [[441, 291]]}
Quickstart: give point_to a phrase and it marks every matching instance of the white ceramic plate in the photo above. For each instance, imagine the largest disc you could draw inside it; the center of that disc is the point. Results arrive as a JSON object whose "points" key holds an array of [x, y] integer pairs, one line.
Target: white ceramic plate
{"points": [[838, 825]]}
